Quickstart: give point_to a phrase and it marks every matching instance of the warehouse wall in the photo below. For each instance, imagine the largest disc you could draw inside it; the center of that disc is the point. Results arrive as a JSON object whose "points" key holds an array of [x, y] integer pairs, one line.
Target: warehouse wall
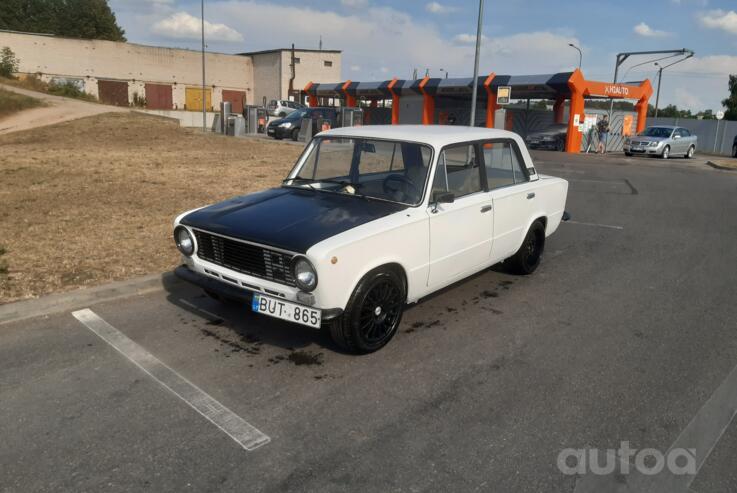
{"points": [[266, 75], [91, 60]]}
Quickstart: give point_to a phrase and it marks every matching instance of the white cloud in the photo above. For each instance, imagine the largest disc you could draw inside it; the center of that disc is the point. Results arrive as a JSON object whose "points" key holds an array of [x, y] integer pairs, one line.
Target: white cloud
{"points": [[719, 19], [439, 8], [644, 30], [354, 3], [185, 26], [466, 38], [385, 37]]}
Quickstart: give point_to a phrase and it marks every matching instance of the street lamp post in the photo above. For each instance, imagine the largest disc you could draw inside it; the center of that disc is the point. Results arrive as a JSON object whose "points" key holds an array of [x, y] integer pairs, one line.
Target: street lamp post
{"points": [[657, 94], [660, 77], [204, 98], [580, 54], [476, 64]]}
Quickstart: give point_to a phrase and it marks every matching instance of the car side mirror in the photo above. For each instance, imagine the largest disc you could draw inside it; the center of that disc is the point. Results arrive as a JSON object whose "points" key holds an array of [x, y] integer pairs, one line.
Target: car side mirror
{"points": [[441, 198]]}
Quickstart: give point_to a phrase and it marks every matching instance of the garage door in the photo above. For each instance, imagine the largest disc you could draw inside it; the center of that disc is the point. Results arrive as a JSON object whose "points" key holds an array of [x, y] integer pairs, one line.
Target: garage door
{"points": [[113, 92], [236, 98], [193, 99], [158, 97]]}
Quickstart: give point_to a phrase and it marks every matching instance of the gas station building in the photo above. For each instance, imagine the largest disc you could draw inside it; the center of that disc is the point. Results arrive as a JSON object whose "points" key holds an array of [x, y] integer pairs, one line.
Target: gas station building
{"points": [[448, 100]]}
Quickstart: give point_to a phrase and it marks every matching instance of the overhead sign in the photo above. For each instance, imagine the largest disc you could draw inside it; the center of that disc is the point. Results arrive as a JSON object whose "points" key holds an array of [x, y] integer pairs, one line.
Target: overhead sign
{"points": [[720, 115], [616, 90], [503, 95]]}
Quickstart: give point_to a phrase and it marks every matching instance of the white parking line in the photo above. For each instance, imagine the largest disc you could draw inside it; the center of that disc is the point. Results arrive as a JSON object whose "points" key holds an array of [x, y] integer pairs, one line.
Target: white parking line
{"points": [[239, 430], [570, 221]]}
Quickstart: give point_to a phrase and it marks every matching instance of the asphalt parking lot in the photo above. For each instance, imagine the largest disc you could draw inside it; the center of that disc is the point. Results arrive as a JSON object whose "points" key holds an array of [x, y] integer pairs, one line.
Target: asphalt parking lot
{"points": [[625, 333]]}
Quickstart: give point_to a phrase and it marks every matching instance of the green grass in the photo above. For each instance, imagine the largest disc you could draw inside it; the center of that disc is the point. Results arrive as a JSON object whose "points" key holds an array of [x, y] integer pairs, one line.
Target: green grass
{"points": [[11, 102]]}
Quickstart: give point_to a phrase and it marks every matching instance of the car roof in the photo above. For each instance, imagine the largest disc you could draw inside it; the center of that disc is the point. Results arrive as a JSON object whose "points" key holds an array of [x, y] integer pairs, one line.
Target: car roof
{"points": [[663, 126], [434, 135]]}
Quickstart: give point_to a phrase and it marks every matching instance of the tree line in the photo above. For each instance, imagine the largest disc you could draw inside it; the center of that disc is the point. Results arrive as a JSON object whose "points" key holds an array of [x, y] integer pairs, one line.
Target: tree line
{"points": [[88, 19]]}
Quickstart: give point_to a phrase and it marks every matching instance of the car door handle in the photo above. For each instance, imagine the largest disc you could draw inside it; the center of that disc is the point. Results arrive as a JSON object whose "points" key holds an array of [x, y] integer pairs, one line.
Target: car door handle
{"points": [[531, 195], [486, 208]]}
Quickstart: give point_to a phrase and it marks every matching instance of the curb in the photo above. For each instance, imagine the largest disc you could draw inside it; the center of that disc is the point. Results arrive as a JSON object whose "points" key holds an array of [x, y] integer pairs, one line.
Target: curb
{"points": [[719, 166], [80, 298]]}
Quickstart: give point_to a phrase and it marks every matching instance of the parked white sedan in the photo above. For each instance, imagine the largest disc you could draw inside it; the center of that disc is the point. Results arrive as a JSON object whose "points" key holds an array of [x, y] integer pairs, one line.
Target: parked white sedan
{"points": [[372, 218]]}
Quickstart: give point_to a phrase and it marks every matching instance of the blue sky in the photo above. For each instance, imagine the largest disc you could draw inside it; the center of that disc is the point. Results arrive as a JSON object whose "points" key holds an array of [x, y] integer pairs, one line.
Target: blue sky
{"points": [[381, 39]]}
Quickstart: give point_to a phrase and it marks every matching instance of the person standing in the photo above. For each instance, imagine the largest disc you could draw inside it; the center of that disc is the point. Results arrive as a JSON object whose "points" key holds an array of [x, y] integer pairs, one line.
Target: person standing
{"points": [[603, 128]]}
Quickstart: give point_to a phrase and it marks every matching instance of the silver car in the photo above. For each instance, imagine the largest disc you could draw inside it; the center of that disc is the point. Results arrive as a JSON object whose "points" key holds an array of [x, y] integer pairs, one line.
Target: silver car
{"points": [[662, 140], [281, 107]]}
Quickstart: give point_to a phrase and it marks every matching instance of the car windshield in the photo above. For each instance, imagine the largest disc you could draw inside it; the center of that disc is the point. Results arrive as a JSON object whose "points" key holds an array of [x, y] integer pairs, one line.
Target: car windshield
{"points": [[379, 169], [663, 132]]}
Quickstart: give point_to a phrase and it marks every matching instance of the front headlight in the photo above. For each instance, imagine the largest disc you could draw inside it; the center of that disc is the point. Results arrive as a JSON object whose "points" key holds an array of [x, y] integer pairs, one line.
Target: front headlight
{"points": [[304, 274], [653, 144], [184, 241], [285, 125]]}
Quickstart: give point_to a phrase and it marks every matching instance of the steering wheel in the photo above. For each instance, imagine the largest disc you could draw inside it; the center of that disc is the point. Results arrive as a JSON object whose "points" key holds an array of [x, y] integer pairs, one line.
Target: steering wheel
{"points": [[405, 185]]}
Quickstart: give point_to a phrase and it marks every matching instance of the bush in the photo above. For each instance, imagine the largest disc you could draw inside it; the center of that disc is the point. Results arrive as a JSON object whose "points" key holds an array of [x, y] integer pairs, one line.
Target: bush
{"points": [[8, 63], [68, 90]]}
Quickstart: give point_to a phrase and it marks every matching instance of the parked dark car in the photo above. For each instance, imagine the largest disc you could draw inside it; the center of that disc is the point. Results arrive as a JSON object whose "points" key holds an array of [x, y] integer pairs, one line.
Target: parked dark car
{"points": [[290, 126], [553, 137], [734, 147]]}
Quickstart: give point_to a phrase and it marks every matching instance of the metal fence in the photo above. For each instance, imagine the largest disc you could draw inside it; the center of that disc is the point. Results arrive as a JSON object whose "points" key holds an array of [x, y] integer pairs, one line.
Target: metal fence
{"points": [[709, 140]]}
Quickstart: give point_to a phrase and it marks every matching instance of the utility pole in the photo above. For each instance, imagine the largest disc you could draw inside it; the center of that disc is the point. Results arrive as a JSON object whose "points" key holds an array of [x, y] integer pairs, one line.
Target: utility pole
{"points": [[660, 76], [472, 123], [622, 57], [657, 94], [204, 94]]}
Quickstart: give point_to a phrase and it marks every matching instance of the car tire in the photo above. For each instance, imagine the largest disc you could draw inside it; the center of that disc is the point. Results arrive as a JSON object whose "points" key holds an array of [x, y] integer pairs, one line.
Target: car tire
{"points": [[689, 154], [734, 151], [560, 146], [628, 154], [373, 313], [528, 257], [295, 134], [666, 153]]}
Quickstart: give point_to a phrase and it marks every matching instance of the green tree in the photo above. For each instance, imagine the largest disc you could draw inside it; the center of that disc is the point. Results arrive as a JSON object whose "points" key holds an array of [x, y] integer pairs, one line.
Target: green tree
{"points": [[731, 102], [8, 63], [89, 19]]}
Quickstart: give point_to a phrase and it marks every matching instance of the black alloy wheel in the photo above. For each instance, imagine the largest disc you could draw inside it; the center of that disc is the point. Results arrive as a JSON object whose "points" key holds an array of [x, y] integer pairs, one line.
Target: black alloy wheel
{"points": [[528, 257], [373, 314]]}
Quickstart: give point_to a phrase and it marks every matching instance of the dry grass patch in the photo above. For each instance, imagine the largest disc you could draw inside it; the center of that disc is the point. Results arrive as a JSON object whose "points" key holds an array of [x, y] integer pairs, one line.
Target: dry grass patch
{"points": [[93, 200]]}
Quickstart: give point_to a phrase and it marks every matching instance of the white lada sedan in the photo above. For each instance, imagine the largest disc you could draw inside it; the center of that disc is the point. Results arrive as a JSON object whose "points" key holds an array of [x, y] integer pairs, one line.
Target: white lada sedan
{"points": [[372, 218]]}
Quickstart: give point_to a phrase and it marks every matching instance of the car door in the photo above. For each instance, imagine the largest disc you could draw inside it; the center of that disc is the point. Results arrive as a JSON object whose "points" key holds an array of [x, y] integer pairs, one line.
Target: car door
{"points": [[513, 196], [460, 232]]}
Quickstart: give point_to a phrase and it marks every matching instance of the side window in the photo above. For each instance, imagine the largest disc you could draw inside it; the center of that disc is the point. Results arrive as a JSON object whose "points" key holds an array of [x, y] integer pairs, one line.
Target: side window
{"points": [[458, 171], [503, 166], [685, 133]]}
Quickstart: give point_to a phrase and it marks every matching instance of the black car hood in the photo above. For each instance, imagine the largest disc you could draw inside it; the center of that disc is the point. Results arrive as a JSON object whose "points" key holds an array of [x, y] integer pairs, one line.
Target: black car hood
{"points": [[289, 218]]}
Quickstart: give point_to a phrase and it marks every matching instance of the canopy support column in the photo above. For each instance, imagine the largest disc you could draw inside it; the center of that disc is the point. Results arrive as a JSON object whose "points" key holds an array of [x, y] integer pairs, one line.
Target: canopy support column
{"points": [[350, 101], [395, 101], [577, 85], [558, 108], [428, 104], [491, 105]]}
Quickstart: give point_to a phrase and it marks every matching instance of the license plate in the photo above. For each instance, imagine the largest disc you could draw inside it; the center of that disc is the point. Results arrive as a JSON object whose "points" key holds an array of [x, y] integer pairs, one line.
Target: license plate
{"points": [[285, 310], [270, 131]]}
